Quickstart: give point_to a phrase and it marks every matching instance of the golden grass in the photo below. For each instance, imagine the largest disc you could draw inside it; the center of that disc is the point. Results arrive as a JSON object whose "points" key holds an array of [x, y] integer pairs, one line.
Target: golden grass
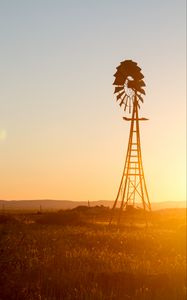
{"points": [[91, 262]]}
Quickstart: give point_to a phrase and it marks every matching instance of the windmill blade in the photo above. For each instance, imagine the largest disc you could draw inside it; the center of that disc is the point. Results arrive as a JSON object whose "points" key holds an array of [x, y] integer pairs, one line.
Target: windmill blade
{"points": [[141, 83], [118, 89], [131, 84], [132, 68], [122, 102], [128, 62], [119, 80], [137, 75], [140, 98], [141, 91], [136, 85], [120, 73], [123, 70], [120, 95], [126, 102]]}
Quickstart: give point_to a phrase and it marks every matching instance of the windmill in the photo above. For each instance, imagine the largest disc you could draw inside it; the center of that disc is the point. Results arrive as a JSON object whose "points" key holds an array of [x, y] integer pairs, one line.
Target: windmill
{"points": [[129, 91]]}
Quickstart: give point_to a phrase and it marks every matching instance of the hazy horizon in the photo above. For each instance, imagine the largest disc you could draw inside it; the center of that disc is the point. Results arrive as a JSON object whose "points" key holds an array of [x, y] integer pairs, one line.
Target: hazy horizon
{"points": [[86, 201]]}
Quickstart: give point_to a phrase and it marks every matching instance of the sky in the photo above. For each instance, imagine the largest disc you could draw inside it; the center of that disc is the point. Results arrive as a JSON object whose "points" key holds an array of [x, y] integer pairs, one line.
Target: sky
{"points": [[62, 135]]}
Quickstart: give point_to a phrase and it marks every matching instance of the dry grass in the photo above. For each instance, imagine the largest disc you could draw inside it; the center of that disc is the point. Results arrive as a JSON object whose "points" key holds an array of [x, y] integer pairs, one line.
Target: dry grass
{"points": [[91, 262]]}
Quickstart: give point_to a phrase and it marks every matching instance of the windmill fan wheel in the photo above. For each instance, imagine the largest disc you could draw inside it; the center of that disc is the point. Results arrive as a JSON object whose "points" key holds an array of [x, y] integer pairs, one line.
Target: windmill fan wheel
{"points": [[128, 84]]}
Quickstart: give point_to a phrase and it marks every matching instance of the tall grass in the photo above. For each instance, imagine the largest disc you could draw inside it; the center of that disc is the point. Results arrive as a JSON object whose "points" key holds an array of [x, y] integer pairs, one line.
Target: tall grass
{"points": [[91, 262]]}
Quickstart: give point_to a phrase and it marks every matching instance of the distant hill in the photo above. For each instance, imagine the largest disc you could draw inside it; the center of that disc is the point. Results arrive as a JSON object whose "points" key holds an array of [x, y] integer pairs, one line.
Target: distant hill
{"points": [[67, 204]]}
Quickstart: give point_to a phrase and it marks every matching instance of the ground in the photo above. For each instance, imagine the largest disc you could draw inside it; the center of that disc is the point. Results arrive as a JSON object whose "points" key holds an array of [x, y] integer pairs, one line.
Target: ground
{"points": [[76, 255]]}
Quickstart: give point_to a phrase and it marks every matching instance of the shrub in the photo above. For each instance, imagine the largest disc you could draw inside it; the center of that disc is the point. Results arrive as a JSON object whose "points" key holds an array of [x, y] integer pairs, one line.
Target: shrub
{"points": [[67, 217]]}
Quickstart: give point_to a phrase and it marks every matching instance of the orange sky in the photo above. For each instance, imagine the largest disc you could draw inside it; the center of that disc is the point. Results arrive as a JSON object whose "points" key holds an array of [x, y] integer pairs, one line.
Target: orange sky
{"points": [[62, 135]]}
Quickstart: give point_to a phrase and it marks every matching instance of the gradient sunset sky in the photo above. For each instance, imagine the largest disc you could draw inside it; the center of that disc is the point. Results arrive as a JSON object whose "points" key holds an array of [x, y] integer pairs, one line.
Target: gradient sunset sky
{"points": [[62, 135]]}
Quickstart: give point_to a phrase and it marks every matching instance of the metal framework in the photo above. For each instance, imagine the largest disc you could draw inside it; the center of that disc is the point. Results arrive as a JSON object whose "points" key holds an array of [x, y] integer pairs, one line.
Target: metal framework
{"points": [[132, 190]]}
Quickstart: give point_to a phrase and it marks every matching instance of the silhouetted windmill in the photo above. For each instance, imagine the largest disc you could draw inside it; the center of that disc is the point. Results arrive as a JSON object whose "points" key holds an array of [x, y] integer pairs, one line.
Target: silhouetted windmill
{"points": [[129, 87]]}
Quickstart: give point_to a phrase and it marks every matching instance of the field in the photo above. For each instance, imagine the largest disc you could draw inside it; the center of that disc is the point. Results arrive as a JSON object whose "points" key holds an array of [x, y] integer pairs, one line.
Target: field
{"points": [[76, 255]]}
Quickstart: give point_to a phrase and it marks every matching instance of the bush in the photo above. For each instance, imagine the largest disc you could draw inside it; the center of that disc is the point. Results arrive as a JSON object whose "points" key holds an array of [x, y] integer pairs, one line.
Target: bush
{"points": [[67, 217]]}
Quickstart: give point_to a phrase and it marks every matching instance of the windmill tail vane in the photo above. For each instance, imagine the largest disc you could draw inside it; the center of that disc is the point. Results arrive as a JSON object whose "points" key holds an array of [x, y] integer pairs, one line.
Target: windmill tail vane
{"points": [[129, 88]]}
